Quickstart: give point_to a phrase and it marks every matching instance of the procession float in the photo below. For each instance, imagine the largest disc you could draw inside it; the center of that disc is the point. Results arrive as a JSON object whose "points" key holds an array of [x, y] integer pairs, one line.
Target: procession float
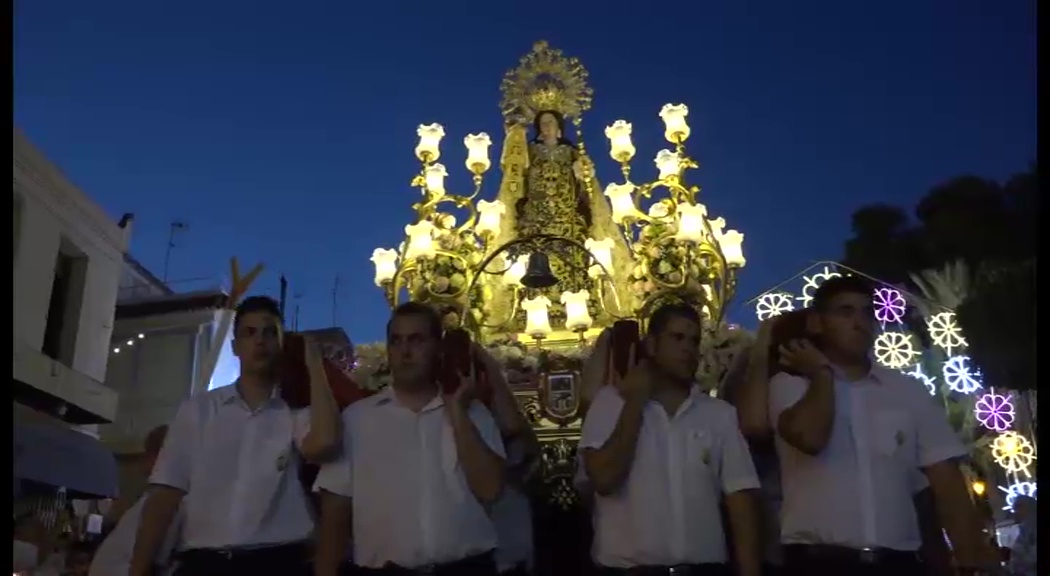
{"points": [[538, 271]]}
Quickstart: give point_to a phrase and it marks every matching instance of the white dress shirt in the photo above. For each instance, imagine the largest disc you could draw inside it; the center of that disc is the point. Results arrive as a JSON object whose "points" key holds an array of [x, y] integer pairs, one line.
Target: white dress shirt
{"points": [[239, 469], [859, 491], [411, 503], [113, 556], [667, 513]]}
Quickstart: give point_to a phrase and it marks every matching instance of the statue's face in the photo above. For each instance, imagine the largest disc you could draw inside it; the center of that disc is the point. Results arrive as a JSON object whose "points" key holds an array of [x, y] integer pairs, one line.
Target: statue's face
{"points": [[549, 129]]}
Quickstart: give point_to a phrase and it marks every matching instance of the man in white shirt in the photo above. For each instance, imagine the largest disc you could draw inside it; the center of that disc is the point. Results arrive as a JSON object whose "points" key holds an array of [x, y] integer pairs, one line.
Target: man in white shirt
{"points": [[418, 470], [512, 514], [114, 554], [850, 436], [231, 460], [661, 455]]}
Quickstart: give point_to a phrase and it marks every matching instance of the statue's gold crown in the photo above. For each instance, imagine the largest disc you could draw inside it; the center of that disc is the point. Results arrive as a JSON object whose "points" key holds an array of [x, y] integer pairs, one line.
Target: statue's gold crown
{"points": [[545, 80]]}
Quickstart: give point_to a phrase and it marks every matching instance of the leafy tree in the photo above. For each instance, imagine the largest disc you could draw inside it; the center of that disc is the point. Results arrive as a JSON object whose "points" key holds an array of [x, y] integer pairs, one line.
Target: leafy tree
{"points": [[990, 227]]}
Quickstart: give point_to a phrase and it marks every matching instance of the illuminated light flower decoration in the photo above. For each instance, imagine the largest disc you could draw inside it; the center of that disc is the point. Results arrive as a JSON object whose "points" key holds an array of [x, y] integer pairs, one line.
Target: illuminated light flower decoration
{"points": [[811, 283], [773, 304], [894, 349], [890, 305], [945, 332], [995, 412], [1016, 489], [1014, 453], [928, 381], [960, 375]]}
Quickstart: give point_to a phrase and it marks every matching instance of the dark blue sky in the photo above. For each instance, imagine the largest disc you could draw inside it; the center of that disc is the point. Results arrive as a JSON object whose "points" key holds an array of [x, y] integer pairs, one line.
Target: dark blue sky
{"points": [[283, 132]]}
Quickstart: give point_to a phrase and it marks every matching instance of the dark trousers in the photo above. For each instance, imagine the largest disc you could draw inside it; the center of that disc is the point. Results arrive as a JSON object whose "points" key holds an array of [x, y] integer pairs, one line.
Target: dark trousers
{"points": [[284, 560], [684, 570], [822, 560], [480, 565]]}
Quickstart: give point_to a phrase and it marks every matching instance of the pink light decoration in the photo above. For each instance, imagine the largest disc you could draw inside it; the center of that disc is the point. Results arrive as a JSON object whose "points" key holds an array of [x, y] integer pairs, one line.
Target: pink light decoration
{"points": [[994, 411], [890, 305]]}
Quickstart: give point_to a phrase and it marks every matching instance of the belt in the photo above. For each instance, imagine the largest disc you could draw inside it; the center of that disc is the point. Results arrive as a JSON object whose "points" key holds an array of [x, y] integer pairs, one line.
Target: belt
{"points": [[852, 555], [477, 564], [676, 570], [239, 554]]}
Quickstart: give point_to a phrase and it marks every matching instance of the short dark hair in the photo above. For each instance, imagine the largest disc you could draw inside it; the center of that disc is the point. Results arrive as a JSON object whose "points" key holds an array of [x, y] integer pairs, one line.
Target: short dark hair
{"points": [[425, 311], [662, 315], [155, 440], [838, 285], [255, 304]]}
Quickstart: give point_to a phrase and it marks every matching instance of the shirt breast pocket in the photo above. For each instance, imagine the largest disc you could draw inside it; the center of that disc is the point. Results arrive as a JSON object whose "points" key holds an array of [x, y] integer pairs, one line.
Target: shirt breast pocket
{"points": [[894, 436], [700, 448]]}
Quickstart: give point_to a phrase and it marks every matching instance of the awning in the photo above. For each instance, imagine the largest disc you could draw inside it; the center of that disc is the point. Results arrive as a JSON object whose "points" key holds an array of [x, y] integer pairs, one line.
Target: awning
{"points": [[62, 457]]}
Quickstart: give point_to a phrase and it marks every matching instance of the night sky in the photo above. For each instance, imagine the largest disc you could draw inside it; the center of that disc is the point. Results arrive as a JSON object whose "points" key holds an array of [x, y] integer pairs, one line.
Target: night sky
{"points": [[283, 132]]}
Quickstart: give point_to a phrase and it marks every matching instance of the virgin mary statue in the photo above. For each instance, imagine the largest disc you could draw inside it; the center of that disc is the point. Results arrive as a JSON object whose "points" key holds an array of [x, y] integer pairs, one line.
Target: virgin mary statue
{"points": [[549, 188]]}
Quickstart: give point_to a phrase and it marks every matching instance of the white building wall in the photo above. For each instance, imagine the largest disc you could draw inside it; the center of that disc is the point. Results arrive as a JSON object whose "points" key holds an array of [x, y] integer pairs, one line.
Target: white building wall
{"points": [[155, 374], [53, 215]]}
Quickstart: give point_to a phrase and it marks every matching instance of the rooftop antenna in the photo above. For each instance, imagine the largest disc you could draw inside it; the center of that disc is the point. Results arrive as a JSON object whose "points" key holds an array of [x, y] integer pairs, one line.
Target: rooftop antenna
{"points": [[295, 311], [176, 227], [284, 295]]}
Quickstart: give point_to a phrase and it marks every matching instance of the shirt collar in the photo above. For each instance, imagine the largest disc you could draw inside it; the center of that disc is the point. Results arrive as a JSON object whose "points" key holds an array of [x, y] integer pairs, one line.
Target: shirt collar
{"points": [[232, 393], [388, 396], [877, 374]]}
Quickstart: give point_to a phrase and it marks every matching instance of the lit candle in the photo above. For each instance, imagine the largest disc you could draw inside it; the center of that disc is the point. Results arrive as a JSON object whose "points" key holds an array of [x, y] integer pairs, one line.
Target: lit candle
{"points": [[478, 152], [420, 240], [577, 315], [621, 201], [429, 147], [620, 147], [490, 214], [385, 261], [537, 323], [691, 222], [676, 129]]}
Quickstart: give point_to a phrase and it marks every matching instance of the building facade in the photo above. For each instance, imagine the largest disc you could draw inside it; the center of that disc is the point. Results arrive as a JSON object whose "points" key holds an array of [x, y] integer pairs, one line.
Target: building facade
{"points": [[68, 256]]}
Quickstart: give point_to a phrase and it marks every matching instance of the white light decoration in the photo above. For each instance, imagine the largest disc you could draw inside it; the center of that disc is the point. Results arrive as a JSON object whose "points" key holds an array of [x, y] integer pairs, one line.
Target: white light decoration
{"points": [[1013, 452], [659, 211], [959, 376], [517, 270], [602, 252], [691, 222], [490, 215], [668, 163], [434, 177], [420, 240], [945, 332], [732, 244], [621, 200], [810, 284], [928, 381], [385, 261], [894, 349], [477, 152], [994, 411], [621, 148], [1016, 489], [429, 147], [537, 321], [676, 129], [577, 316], [773, 304]]}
